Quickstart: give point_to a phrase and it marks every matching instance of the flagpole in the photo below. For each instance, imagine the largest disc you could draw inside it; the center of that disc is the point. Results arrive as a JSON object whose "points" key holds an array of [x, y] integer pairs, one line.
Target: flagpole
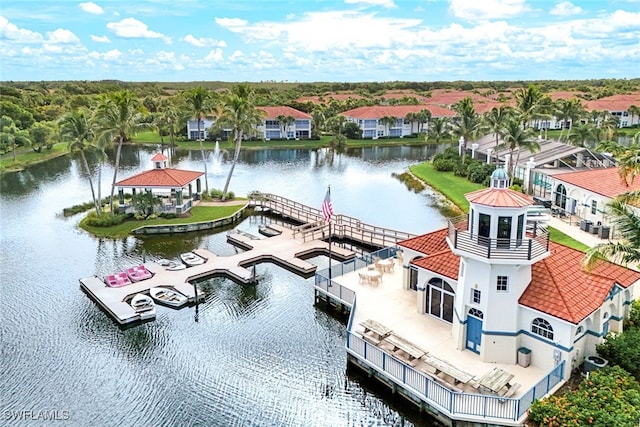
{"points": [[329, 253]]}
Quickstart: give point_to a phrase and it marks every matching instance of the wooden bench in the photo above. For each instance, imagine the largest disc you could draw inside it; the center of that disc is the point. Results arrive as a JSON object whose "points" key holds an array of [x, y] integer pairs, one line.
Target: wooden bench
{"points": [[441, 366], [374, 332], [399, 343], [510, 390]]}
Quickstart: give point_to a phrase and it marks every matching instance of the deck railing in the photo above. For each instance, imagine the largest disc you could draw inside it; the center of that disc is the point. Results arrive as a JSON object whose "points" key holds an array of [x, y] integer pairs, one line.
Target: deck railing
{"points": [[531, 246], [342, 226], [454, 404]]}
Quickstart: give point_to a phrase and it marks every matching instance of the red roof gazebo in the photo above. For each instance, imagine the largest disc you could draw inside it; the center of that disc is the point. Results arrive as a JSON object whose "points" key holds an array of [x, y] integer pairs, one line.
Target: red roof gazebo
{"points": [[167, 183]]}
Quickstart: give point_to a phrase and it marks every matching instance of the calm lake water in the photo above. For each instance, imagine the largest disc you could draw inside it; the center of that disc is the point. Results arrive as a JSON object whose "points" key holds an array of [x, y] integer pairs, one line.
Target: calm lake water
{"points": [[260, 355]]}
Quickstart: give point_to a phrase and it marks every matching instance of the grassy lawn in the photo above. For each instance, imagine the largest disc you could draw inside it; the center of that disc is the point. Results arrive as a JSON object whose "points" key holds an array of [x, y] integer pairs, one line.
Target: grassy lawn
{"points": [[455, 187], [198, 214], [26, 157]]}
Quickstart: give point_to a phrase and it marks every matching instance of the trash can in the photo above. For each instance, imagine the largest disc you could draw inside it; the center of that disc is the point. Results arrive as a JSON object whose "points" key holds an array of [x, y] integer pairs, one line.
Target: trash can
{"points": [[593, 229], [603, 232], [524, 357]]}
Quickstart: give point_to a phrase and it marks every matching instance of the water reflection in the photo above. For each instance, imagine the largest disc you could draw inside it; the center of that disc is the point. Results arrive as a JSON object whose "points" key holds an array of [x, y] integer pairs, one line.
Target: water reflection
{"points": [[258, 354]]}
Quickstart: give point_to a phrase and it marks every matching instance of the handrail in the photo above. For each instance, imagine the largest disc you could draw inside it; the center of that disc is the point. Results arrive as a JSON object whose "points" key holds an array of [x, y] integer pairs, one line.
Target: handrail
{"points": [[343, 226], [483, 407]]}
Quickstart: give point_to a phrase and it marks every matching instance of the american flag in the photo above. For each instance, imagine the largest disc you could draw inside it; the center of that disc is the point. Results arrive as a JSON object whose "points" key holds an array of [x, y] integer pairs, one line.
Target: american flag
{"points": [[327, 210]]}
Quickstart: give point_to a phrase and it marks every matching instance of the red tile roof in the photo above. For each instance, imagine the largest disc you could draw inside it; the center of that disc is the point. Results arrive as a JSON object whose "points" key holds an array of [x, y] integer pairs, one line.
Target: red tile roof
{"points": [[449, 97], [499, 197], [615, 102], [562, 288], [399, 111], [161, 178], [159, 158], [606, 182], [438, 256], [283, 110], [559, 286]]}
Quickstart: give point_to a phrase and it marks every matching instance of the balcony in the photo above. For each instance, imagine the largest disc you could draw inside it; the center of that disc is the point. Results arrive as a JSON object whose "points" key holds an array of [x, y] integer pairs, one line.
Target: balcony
{"points": [[534, 245]]}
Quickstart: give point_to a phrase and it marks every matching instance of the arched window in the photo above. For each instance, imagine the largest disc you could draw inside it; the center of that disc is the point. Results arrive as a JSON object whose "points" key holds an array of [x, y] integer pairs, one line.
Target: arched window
{"points": [[542, 327], [476, 313], [579, 330], [561, 196]]}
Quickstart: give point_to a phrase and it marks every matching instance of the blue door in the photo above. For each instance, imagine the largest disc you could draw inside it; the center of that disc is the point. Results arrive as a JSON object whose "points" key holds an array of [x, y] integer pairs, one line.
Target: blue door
{"points": [[474, 334]]}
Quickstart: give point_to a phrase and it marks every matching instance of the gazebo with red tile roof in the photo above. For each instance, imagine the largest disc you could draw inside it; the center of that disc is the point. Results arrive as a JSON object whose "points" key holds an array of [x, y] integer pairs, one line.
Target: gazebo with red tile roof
{"points": [[166, 181]]}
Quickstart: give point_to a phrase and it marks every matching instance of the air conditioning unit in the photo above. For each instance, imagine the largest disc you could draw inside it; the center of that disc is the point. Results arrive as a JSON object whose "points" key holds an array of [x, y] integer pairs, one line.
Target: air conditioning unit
{"points": [[592, 363]]}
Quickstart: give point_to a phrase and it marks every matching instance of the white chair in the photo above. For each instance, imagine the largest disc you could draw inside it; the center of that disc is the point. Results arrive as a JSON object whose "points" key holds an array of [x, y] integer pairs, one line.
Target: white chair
{"points": [[363, 278]]}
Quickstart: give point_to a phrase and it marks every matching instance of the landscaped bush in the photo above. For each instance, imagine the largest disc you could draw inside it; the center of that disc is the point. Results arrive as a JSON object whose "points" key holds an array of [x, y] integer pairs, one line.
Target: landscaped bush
{"points": [[105, 220], [444, 165], [634, 316], [217, 194], [609, 397], [623, 349]]}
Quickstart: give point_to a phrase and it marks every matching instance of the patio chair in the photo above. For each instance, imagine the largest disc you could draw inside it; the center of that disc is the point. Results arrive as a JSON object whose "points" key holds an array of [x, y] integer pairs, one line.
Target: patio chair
{"points": [[375, 280], [363, 278]]}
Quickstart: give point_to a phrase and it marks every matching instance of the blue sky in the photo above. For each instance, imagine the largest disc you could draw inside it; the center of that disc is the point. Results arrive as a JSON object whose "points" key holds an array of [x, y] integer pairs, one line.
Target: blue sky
{"points": [[319, 40]]}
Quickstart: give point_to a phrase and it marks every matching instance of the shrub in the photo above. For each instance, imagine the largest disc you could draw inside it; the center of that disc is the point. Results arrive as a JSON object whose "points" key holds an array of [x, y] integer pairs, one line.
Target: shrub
{"points": [[105, 220], [444, 165], [634, 316], [609, 397], [623, 349]]}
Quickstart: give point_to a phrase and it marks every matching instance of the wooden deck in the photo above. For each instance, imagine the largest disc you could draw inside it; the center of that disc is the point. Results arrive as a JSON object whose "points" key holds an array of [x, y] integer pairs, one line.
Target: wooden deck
{"points": [[282, 250]]}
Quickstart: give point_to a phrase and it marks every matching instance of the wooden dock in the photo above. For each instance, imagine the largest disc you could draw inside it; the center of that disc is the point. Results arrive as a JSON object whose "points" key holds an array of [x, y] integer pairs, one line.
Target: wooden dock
{"points": [[283, 250]]}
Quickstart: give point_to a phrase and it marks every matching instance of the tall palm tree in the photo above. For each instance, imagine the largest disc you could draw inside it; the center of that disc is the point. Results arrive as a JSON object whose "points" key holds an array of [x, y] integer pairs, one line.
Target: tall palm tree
{"points": [[528, 102], [468, 123], [387, 122], [118, 116], [440, 128], [285, 121], [583, 134], [568, 110], [76, 129], [238, 113], [516, 138], [198, 102], [495, 120], [423, 116], [627, 222]]}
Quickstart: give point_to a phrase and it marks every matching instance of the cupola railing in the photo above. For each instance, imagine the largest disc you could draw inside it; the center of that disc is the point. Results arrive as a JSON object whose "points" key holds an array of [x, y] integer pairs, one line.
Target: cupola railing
{"points": [[535, 242]]}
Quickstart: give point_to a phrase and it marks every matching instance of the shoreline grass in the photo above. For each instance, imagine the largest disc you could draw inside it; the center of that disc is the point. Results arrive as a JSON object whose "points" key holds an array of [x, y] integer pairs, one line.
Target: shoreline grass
{"points": [[454, 188], [197, 214]]}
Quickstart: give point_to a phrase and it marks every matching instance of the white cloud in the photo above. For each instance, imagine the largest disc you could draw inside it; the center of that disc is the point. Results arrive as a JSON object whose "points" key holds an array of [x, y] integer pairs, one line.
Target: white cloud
{"points": [[384, 3], [214, 55], [62, 36], [131, 28], [202, 41], [12, 32], [111, 55], [91, 7], [565, 8], [100, 39], [232, 24], [479, 10]]}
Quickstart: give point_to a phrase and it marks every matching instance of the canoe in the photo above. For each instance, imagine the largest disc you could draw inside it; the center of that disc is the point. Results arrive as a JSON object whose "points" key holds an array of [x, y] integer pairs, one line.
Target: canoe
{"points": [[144, 306], [265, 230], [168, 296], [191, 259]]}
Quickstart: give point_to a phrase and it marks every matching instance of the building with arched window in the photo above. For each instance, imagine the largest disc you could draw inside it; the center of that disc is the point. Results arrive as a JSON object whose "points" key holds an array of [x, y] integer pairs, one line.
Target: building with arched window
{"points": [[502, 285]]}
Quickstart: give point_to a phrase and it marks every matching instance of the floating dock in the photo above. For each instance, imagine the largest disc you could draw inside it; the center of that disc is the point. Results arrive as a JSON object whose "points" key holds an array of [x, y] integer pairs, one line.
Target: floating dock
{"points": [[283, 250]]}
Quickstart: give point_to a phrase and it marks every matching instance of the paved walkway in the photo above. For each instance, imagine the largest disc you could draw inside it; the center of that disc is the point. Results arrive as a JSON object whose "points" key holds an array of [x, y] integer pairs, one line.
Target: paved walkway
{"points": [[573, 230]]}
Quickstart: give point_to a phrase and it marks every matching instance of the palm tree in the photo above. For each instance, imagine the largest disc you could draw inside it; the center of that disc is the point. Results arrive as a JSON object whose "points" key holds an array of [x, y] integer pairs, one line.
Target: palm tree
{"points": [[515, 138], [285, 122], [440, 128], [495, 120], [387, 122], [629, 161], [412, 117], [468, 123], [239, 113], [118, 116], [568, 110], [528, 104], [627, 222], [198, 102], [423, 116], [75, 128], [583, 133]]}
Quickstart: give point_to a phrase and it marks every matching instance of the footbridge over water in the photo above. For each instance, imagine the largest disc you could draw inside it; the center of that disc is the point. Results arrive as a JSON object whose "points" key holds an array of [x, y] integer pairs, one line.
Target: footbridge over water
{"points": [[313, 227]]}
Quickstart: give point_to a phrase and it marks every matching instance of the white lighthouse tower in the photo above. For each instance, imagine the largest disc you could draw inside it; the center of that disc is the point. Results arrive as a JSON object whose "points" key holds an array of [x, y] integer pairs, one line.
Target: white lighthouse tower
{"points": [[497, 249]]}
